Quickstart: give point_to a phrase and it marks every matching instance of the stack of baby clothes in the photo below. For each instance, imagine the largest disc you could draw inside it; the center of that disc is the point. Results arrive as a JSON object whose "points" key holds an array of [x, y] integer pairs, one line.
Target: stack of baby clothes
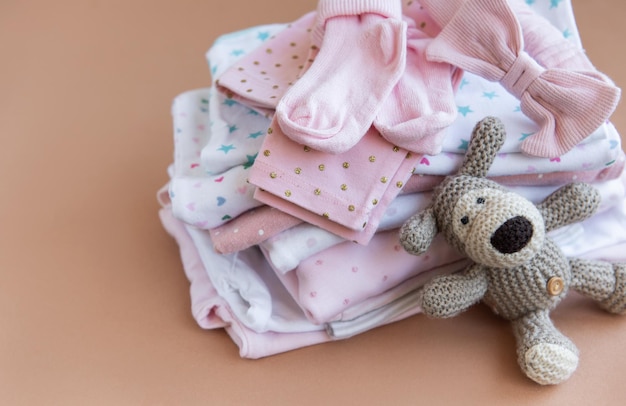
{"points": [[317, 139]]}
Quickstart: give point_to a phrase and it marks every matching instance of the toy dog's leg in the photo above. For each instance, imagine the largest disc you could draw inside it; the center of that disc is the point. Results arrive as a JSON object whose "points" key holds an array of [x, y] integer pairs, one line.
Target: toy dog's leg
{"points": [[543, 352], [601, 281]]}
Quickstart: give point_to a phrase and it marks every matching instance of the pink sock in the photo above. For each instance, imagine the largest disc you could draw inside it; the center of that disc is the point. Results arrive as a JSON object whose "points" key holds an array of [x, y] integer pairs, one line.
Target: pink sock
{"points": [[362, 51], [421, 104]]}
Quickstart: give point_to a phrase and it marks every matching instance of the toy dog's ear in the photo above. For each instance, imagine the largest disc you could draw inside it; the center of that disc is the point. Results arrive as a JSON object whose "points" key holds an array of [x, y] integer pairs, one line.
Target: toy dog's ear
{"points": [[487, 138], [418, 232], [570, 204]]}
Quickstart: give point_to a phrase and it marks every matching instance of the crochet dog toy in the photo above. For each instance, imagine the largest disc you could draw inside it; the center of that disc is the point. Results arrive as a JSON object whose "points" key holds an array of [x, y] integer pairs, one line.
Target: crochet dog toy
{"points": [[517, 271]]}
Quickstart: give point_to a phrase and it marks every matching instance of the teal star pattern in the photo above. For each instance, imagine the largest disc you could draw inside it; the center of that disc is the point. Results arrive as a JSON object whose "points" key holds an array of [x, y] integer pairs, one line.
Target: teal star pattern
{"points": [[517, 109], [465, 110], [250, 161], [237, 52], [463, 83], [213, 69], [566, 33], [253, 112], [530, 2], [232, 128], [555, 3], [464, 145], [490, 95], [525, 135], [229, 102], [226, 148], [263, 35], [255, 135]]}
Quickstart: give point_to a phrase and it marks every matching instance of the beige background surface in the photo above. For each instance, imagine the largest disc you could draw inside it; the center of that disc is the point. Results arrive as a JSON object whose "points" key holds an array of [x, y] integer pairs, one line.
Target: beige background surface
{"points": [[94, 305]]}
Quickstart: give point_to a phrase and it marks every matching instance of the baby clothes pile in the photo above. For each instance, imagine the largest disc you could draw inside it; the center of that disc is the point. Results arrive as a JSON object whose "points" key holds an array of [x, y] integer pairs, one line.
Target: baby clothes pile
{"points": [[317, 139]]}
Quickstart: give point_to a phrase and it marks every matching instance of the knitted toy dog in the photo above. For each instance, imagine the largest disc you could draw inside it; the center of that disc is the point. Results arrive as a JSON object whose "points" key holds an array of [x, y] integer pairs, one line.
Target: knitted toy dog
{"points": [[517, 271]]}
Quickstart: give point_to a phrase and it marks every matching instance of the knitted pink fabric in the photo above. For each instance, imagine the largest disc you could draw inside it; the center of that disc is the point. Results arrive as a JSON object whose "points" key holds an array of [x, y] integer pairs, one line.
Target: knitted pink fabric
{"points": [[362, 54], [484, 37], [546, 44], [422, 103]]}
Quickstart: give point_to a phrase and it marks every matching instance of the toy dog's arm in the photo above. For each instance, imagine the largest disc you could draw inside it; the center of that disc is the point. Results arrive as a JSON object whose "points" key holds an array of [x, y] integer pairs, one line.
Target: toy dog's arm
{"points": [[449, 295], [569, 204], [418, 232]]}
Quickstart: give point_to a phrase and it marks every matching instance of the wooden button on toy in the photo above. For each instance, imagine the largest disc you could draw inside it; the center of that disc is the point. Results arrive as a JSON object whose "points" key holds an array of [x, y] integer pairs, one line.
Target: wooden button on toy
{"points": [[555, 286]]}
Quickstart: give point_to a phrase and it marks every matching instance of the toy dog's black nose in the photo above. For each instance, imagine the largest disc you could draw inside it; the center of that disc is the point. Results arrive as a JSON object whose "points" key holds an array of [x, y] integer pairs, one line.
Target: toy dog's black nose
{"points": [[513, 235]]}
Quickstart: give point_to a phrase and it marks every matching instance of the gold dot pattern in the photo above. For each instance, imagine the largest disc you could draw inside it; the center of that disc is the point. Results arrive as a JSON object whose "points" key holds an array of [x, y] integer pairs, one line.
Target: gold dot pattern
{"points": [[280, 61], [267, 73]]}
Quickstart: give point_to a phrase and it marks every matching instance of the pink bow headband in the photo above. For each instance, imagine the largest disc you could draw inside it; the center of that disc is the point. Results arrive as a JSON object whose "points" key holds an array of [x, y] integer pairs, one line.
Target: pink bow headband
{"points": [[484, 37]]}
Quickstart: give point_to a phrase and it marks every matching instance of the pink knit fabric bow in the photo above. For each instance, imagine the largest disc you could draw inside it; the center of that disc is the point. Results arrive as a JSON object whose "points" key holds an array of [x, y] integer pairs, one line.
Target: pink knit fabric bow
{"points": [[484, 37]]}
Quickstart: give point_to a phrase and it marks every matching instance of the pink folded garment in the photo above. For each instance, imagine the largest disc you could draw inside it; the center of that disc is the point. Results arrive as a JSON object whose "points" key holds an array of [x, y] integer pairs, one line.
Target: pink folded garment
{"points": [[326, 284], [211, 311], [349, 189], [251, 228], [260, 78]]}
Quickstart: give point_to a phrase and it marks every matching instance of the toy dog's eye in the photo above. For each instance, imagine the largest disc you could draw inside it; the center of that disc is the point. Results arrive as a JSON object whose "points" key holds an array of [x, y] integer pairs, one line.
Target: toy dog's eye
{"points": [[480, 200], [465, 220]]}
